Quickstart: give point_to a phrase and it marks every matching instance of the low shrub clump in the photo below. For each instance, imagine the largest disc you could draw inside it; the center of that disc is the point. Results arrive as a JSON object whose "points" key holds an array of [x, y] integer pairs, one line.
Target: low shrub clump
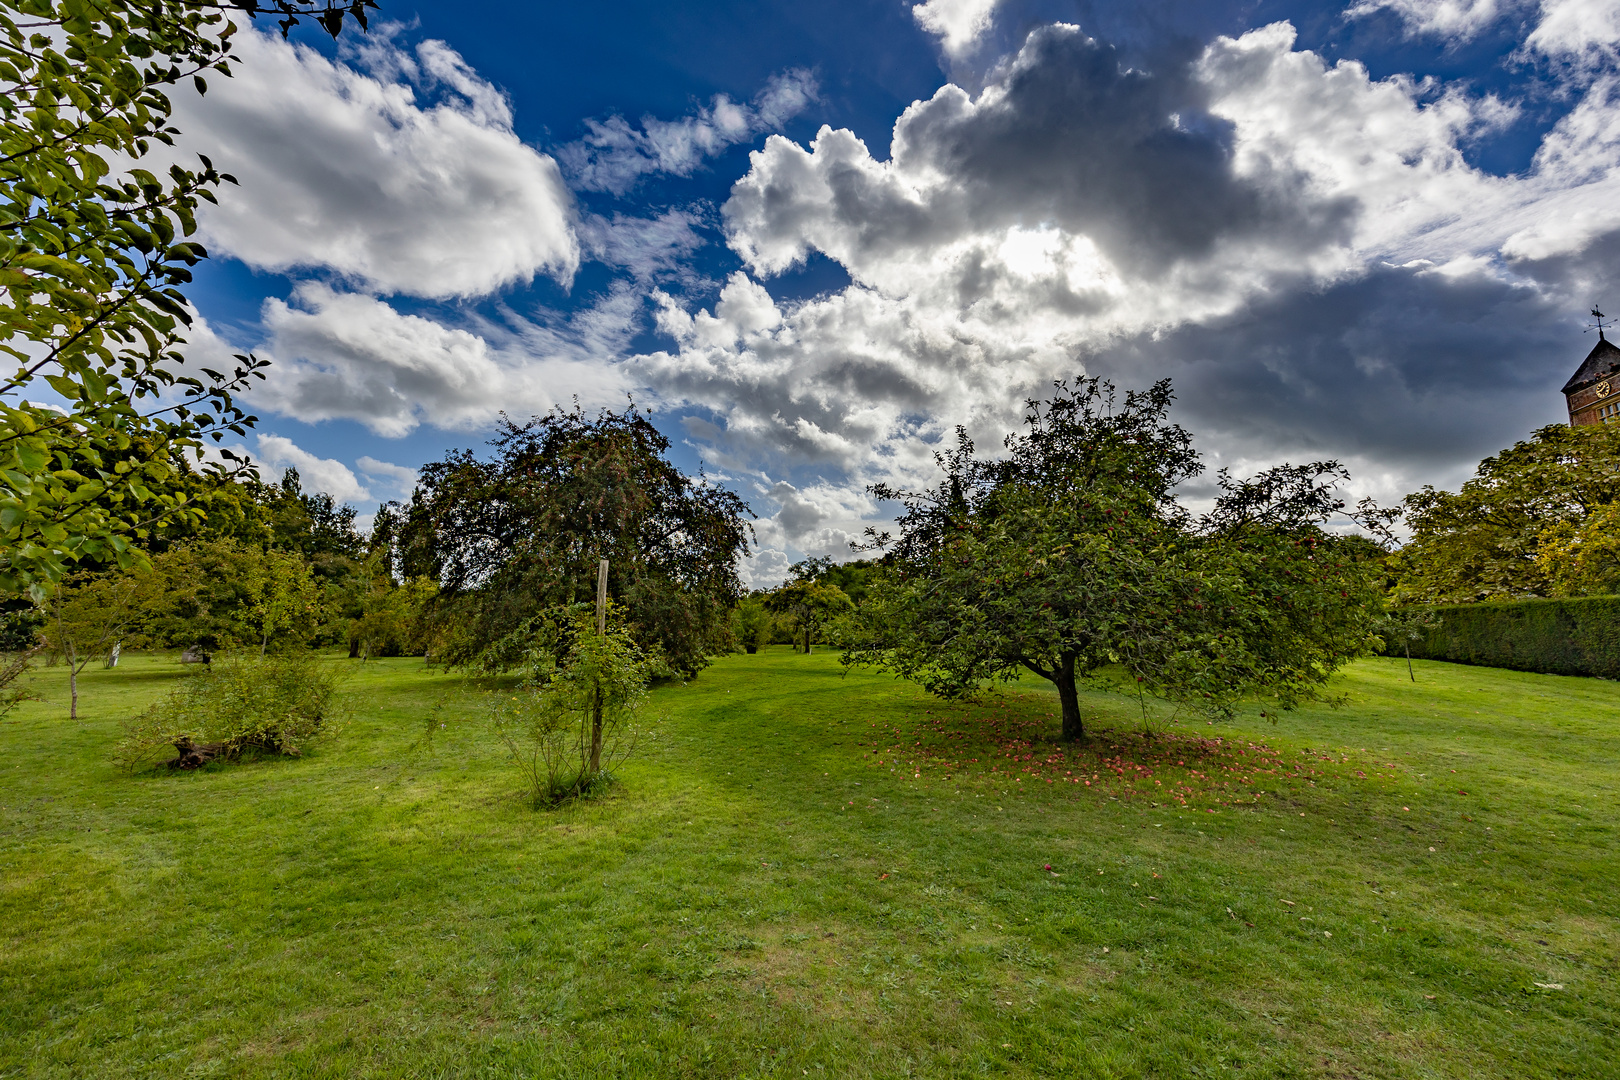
{"points": [[239, 705], [576, 718]]}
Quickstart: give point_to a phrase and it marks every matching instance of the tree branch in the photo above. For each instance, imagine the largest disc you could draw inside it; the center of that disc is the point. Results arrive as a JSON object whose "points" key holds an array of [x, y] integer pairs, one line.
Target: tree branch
{"points": [[1049, 676]]}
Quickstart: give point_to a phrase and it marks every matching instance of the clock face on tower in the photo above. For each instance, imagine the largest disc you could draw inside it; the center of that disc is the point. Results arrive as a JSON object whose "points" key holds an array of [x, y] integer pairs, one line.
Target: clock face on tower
{"points": [[1603, 389]]}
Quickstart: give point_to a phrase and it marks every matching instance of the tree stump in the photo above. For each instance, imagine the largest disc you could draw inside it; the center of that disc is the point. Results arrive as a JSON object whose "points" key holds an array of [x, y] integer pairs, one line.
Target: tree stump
{"points": [[193, 756]]}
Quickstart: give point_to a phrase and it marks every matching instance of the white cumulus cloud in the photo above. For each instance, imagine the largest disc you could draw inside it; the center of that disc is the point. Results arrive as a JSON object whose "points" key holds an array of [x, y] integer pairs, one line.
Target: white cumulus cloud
{"points": [[317, 474], [821, 519], [348, 171], [1460, 19], [1585, 31], [1079, 214], [957, 23], [1003, 237], [1377, 142], [350, 356], [394, 479]]}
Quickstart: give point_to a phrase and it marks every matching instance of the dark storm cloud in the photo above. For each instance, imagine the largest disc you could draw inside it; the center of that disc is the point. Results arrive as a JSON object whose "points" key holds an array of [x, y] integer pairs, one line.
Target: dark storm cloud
{"points": [[1589, 275], [1414, 368]]}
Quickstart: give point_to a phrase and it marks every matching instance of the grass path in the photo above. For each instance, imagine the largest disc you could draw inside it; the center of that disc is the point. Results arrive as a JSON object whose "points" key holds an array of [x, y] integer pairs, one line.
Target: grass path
{"points": [[760, 897]]}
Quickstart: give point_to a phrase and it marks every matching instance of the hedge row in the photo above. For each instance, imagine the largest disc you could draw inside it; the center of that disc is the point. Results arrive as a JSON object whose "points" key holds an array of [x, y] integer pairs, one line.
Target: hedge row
{"points": [[1556, 637]]}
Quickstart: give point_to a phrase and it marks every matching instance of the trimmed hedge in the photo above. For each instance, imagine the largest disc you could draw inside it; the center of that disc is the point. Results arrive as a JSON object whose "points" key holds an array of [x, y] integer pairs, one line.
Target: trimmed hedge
{"points": [[1556, 637]]}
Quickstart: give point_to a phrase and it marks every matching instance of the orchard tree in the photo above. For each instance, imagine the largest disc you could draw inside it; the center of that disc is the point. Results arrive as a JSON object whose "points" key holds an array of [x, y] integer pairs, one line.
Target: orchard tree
{"points": [[206, 596], [1581, 558], [391, 616], [851, 577], [1071, 554], [222, 594], [509, 537], [88, 614], [810, 605], [284, 601], [574, 720], [1295, 601], [93, 267]]}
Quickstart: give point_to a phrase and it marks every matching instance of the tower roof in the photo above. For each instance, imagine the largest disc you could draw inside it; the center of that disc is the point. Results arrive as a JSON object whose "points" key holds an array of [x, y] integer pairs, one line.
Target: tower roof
{"points": [[1602, 362]]}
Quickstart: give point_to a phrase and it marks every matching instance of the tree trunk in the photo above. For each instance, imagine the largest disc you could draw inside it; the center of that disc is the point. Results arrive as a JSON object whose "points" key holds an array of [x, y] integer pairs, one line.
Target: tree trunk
{"points": [[1409, 670], [601, 598], [807, 641], [354, 646], [596, 733], [1073, 726], [73, 678], [192, 756]]}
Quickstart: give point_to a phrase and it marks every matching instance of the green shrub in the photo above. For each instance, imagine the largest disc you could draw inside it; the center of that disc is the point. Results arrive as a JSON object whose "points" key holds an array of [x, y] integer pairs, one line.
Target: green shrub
{"points": [[277, 704], [569, 726], [1579, 636]]}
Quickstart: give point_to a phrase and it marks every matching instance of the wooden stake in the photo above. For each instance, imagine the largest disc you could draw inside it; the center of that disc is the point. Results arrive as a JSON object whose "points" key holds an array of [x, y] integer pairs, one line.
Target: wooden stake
{"points": [[601, 631]]}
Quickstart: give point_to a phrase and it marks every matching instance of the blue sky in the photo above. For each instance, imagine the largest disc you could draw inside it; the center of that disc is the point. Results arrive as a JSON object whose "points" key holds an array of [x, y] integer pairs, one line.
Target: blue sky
{"points": [[815, 238]]}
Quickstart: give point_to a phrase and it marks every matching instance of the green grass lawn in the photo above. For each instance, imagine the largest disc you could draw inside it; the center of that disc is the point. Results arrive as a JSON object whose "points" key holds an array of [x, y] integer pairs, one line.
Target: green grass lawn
{"points": [[1421, 884]]}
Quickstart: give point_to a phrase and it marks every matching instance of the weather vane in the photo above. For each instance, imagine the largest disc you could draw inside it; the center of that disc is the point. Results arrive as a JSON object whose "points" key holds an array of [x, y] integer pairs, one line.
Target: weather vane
{"points": [[1598, 315]]}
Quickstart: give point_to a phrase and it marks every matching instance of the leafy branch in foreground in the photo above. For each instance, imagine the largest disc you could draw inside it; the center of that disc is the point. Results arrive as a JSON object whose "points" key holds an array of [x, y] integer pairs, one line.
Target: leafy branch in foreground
{"points": [[13, 666], [92, 268]]}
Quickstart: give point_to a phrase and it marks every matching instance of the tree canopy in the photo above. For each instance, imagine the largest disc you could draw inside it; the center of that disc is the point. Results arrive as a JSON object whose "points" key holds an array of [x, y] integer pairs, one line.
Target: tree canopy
{"points": [[520, 532], [1071, 554], [1534, 520], [851, 578], [810, 603], [274, 568]]}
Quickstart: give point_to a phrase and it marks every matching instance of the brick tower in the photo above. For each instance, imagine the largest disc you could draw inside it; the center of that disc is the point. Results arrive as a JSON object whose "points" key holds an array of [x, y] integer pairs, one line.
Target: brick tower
{"points": [[1593, 392]]}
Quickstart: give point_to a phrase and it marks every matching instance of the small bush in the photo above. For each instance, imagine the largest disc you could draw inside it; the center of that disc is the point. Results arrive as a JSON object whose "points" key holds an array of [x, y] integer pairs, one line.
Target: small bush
{"points": [[278, 704], [569, 726]]}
